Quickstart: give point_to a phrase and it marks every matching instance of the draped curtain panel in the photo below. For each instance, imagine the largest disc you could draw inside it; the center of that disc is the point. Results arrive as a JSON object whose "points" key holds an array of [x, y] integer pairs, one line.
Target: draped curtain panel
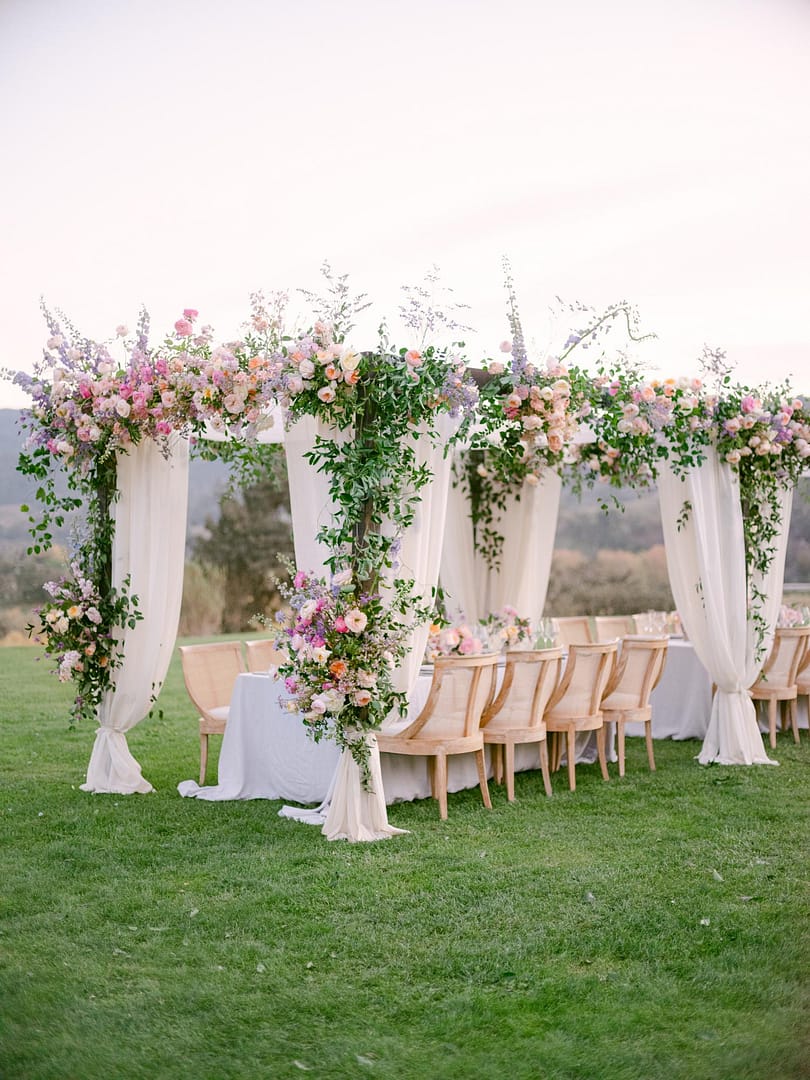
{"points": [[311, 505], [528, 526], [148, 545], [707, 572]]}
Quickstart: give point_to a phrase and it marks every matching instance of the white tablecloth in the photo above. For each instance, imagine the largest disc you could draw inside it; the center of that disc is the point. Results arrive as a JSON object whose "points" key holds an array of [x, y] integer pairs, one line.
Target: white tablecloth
{"points": [[266, 752], [682, 701]]}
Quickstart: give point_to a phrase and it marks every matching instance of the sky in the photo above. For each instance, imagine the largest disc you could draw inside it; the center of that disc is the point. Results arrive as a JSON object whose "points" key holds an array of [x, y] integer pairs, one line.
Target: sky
{"points": [[183, 154]]}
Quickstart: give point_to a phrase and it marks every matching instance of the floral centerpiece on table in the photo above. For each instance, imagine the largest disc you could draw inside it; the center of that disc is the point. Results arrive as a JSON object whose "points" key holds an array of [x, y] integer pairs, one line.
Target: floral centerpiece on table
{"points": [[459, 639], [507, 629], [790, 616]]}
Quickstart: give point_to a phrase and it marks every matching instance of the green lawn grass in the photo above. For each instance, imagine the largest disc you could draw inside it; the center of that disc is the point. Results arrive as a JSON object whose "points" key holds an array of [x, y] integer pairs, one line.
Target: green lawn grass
{"points": [[650, 927]]}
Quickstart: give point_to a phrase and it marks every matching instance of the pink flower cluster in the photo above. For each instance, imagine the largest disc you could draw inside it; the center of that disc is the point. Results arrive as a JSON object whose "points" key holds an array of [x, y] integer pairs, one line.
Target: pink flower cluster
{"points": [[85, 397], [507, 629], [459, 640], [759, 429], [548, 417], [316, 363]]}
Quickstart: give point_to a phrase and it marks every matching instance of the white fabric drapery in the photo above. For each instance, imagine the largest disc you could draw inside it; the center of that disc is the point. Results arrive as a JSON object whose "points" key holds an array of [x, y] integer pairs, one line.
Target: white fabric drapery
{"points": [[707, 572], [528, 526], [149, 546], [311, 505]]}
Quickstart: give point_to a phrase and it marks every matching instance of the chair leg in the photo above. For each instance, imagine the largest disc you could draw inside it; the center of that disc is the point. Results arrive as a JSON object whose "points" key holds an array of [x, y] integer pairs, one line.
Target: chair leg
{"points": [[600, 750], [772, 721], [620, 743], [496, 749], [794, 719], [544, 766], [203, 758], [571, 752], [509, 770], [649, 741], [556, 748], [441, 784], [482, 779]]}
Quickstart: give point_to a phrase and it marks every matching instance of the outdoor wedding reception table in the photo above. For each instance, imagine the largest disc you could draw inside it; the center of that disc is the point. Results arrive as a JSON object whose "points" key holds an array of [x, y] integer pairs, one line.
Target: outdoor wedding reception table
{"points": [[267, 754]]}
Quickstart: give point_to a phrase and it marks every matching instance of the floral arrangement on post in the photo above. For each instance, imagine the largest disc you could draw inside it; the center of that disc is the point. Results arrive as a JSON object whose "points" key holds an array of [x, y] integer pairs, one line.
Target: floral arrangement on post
{"points": [[90, 401], [342, 647], [386, 399], [75, 630]]}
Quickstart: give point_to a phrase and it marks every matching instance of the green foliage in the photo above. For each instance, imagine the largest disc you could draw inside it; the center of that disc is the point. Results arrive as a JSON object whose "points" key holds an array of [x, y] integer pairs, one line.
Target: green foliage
{"points": [[653, 927]]}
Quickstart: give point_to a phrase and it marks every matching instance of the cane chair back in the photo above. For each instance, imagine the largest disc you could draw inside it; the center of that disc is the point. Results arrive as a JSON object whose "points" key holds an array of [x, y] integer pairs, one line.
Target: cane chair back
{"points": [[576, 704], [262, 654], [516, 715], [778, 681], [627, 695], [610, 627], [574, 630], [450, 722], [209, 672]]}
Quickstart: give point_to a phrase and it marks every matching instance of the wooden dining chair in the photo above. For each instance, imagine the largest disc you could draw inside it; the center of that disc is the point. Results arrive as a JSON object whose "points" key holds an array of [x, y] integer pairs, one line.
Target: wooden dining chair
{"points": [[574, 630], [627, 694], [610, 627], [516, 715], [777, 683], [576, 704], [209, 672], [450, 722], [262, 654]]}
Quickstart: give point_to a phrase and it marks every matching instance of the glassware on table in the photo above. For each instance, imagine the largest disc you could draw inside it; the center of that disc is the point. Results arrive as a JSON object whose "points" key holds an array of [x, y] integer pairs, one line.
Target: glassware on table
{"points": [[545, 636]]}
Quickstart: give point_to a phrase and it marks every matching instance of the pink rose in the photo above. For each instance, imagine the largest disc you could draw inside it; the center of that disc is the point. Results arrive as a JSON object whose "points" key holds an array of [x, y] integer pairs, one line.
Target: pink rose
{"points": [[362, 697], [413, 358], [190, 313], [506, 346], [340, 625], [183, 328]]}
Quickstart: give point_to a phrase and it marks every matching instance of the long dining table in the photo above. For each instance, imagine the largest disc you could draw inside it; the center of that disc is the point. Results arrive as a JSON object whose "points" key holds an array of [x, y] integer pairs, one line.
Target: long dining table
{"points": [[267, 753]]}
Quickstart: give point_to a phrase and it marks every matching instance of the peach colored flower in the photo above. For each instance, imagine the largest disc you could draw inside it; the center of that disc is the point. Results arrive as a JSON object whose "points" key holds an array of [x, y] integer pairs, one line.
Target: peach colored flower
{"points": [[356, 620]]}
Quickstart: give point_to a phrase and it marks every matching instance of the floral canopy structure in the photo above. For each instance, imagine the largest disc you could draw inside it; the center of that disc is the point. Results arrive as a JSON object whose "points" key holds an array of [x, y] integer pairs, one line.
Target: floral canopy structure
{"points": [[375, 429]]}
